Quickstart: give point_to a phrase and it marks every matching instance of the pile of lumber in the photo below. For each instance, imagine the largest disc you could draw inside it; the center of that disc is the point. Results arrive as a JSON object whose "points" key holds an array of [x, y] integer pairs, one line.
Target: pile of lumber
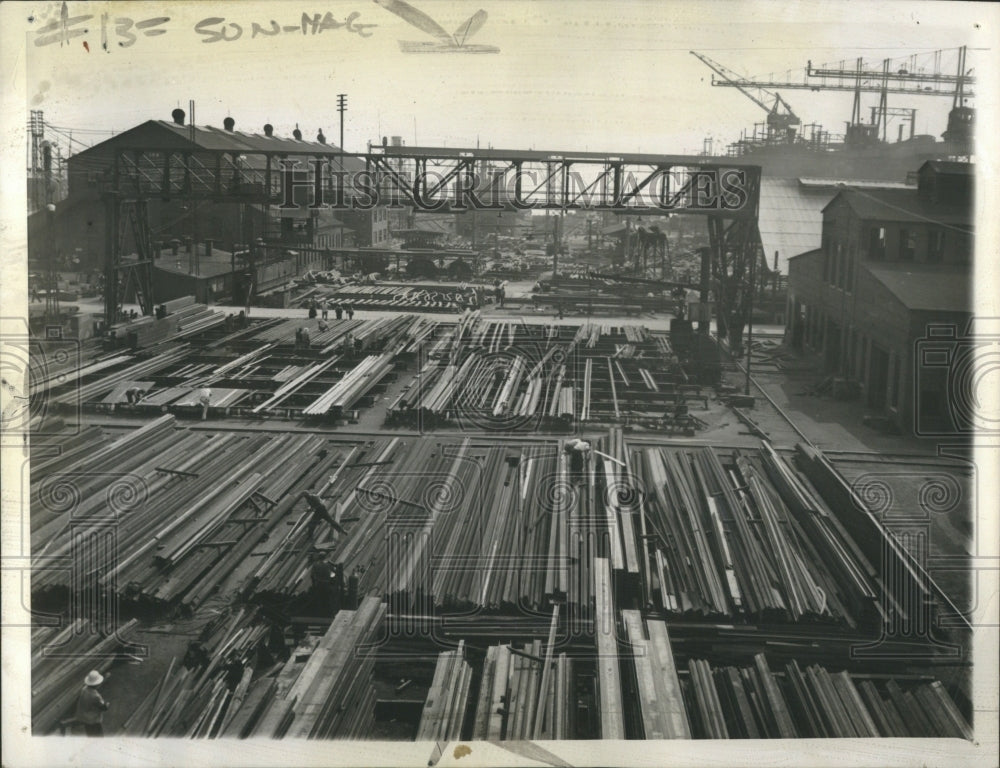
{"points": [[526, 692], [757, 703], [361, 379], [331, 695], [398, 297], [184, 318], [181, 510], [661, 698], [61, 659], [447, 700], [729, 541], [199, 700]]}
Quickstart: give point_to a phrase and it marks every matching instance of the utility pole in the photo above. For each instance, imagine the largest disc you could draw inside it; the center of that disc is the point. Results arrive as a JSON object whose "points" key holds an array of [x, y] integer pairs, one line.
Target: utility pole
{"points": [[342, 108], [753, 288]]}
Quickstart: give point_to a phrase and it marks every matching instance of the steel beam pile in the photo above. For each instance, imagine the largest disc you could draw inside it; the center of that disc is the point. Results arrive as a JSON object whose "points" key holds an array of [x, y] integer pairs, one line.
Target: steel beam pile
{"points": [[183, 510], [60, 659], [609, 687], [526, 692], [727, 543], [756, 703], [197, 701], [511, 375], [908, 591], [331, 695], [448, 698], [70, 395], [361, 379], [399, 297], [661, 698]]}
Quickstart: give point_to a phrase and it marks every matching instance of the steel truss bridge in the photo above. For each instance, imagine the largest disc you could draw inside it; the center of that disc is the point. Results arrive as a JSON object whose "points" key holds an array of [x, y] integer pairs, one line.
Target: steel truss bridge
{"points": [[432, 179]]}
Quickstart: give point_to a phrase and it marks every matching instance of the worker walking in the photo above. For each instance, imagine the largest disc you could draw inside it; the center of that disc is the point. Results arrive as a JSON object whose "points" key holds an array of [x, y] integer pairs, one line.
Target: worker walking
{"points": [[90, 705], [577, 451], [205, 399], [350, 312], [338, 311], [319, 513], [325, 306]]}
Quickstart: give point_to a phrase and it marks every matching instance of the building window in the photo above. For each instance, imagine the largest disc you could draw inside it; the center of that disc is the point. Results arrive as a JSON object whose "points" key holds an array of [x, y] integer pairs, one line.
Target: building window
{"points": [[907, 245], [876, 244], [935, 246]]}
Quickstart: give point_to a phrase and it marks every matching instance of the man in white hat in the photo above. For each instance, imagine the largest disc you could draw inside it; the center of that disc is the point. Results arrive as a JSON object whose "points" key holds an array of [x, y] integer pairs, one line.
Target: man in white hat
{"points": [[90, 705]]}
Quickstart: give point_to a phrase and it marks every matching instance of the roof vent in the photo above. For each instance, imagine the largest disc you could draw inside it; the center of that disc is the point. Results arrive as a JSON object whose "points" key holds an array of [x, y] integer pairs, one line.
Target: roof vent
{"points": [[229, 124], [297, 134], [268, 129], [178, 116], [320, 137]]}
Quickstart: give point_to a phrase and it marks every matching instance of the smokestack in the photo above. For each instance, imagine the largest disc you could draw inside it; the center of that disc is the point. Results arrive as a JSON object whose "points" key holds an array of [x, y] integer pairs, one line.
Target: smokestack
{"points": [[229, 124], [157, 249], [320, 137], [208, 248], [297, 134], [178, 116], [175, 247], [268, 129], [189, 244]]}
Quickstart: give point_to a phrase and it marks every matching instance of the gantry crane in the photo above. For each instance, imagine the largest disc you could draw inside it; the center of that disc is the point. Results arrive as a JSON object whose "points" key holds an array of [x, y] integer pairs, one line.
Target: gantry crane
{"points": [[781, 118], [893, 76]]}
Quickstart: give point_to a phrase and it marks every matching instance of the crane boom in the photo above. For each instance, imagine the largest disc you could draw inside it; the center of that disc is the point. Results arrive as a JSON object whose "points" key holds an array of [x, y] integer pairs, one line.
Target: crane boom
{"points": [[776, 119]]}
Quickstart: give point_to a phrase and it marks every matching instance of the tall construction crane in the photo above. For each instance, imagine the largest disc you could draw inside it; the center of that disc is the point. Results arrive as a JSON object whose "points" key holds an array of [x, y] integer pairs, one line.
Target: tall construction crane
{"points": [[781, 119]]}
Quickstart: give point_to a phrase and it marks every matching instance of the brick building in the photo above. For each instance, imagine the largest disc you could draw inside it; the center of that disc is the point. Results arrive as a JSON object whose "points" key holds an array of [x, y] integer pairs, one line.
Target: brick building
{"points": [[893, 264]]}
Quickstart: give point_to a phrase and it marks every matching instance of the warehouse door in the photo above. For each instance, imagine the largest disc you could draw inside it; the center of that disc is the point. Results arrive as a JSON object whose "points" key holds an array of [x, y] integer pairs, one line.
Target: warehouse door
{"points": [[878, 377]]}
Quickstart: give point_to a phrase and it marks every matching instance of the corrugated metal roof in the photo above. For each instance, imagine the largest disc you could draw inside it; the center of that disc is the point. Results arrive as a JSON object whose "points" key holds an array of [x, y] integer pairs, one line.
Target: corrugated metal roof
{"points": [[926, 287], [209, 138], [790, 219], [903, 205], [858, 183], [951, 166]]}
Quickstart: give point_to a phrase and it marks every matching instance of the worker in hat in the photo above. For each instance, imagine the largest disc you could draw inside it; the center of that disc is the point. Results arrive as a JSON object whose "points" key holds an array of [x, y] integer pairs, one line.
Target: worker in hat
{"points": [[205, 399], [90, 705]]}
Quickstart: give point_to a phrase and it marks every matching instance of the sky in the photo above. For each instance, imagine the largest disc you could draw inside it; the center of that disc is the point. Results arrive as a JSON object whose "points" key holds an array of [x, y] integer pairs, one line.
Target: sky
{"points": [[581, 75]]}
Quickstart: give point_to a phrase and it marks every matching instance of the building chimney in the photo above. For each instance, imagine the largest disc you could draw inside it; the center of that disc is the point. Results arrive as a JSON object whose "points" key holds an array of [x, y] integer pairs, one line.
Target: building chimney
{"points": [[320, 137], [178, 116], [175, 246], [208, 248], [229, 124], [268, 129], [297, 134]]}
